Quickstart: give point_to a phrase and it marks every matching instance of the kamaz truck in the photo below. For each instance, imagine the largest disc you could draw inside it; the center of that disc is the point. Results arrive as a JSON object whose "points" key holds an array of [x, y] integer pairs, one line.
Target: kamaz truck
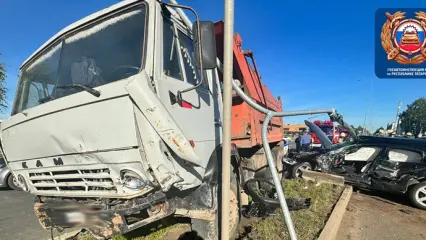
{"points": [[116, 122]]}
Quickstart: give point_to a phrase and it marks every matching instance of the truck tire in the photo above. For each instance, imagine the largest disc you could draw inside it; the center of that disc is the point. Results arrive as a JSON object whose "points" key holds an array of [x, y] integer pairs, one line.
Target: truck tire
{"points": [[417, 195], [210, 229]]}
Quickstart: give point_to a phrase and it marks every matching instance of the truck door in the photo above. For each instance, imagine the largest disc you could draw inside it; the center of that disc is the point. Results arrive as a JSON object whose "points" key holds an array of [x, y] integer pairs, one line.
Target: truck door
{"points": [[175, 70]]}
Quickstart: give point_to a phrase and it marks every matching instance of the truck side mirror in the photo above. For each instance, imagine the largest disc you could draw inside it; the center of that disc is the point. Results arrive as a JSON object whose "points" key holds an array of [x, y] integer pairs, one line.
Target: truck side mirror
{"points": [[206, 39]]}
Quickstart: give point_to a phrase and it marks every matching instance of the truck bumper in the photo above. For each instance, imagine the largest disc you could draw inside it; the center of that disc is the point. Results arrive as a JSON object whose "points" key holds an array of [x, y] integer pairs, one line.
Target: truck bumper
{"points": [[101, 219]]}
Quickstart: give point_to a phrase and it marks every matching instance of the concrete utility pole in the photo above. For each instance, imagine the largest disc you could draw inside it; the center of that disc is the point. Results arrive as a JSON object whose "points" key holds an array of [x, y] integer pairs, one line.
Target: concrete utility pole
{"points": [[228, 56], [397, 116], [367, 108]]}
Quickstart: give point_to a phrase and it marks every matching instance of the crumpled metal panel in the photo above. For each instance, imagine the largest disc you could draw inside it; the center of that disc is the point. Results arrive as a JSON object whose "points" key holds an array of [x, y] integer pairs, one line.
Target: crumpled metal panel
{"points": [[160, 119], [163, 168], [78, 123]]}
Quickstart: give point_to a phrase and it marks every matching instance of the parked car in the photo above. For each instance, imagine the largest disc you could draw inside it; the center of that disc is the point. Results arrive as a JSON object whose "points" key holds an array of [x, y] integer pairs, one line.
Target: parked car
{"points": [[6, 177], [395, 165]]}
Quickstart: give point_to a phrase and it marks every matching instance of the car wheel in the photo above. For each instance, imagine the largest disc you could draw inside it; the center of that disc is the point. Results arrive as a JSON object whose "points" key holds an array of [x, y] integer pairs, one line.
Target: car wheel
{"points": [[417, 195], [12, 182], [296, 171]]}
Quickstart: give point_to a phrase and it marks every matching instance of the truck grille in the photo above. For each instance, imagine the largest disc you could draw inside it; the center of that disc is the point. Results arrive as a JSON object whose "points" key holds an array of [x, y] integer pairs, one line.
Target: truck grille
{"points": [[98, 180]]}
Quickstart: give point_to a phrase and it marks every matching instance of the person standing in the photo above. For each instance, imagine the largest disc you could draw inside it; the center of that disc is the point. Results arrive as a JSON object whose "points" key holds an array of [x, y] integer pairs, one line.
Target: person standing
{"points": [[297, 141], [305, 141]]}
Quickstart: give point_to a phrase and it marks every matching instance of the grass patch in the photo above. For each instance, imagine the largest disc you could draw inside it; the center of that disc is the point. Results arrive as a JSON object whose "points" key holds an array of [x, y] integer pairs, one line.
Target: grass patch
{"points": [[154, 231], [308, 223], [155, 234]]}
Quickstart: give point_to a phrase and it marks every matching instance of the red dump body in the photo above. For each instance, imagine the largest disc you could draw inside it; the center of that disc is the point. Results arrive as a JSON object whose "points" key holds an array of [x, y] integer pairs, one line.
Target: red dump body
{"points": [[247, 122]]}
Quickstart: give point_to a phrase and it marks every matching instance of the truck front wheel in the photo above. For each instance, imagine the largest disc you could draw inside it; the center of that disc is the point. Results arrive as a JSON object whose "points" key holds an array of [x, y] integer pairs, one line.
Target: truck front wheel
{"points": [[210, 229]]}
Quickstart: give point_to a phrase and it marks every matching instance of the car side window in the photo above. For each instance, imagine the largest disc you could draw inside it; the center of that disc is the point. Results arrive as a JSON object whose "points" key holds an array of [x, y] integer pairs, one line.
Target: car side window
{"points": [[402, 155], [171, 61]]}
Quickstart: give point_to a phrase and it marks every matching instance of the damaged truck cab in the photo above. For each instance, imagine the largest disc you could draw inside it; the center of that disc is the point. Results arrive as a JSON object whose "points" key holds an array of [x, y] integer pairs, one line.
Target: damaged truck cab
{"points": [[95, 125], [113, 128]]}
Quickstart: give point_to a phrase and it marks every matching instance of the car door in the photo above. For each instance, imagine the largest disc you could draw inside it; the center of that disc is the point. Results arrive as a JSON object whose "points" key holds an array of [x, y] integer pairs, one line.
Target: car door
{"points": [[359, 159], [394, 169], [198, 114]]}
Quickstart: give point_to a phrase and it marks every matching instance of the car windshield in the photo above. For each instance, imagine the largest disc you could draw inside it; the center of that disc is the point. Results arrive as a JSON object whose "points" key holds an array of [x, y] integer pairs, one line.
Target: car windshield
{"points": [[101, 53]]}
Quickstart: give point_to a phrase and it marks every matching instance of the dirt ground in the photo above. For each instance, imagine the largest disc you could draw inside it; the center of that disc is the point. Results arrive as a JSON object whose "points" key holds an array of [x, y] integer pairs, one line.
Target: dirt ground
{"points": [[382, 217]]}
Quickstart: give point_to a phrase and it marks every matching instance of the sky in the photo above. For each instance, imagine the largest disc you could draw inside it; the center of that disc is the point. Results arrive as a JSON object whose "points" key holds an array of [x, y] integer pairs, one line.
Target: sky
{"points": [[314, 54]]}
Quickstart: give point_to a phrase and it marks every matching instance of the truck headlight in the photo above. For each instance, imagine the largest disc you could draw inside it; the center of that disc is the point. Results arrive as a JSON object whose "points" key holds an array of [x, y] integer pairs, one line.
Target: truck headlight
{"points": [[132, 180], [22, 183]]}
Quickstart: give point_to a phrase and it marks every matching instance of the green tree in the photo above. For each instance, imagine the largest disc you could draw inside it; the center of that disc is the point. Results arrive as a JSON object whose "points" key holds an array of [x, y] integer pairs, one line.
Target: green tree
{"points": [[358, 129], [413, 119], [378, 130], [3, 89]]}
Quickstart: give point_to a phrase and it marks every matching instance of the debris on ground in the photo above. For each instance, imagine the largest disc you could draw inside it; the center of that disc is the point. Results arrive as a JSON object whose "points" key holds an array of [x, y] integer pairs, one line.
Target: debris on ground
{"points": [[406, 211], [308, 222], [167, 229], [264, 199]]}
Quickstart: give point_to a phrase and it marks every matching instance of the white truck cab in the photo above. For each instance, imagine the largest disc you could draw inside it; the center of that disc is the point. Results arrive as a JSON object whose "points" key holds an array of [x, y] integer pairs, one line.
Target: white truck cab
{"points": [[98, 123]]}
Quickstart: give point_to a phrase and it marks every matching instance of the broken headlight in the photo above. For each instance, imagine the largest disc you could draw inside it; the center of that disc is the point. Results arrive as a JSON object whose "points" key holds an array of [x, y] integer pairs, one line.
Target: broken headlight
{"points": [[132, 180]]}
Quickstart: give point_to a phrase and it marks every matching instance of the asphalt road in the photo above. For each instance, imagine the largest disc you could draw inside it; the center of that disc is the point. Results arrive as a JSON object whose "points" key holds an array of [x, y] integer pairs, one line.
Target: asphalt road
{"points": [[17, 219], [381, 216]]}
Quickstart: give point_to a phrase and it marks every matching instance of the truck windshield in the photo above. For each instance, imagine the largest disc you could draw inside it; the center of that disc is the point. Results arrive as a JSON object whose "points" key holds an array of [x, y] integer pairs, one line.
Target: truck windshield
{"points": [[98, 54]]}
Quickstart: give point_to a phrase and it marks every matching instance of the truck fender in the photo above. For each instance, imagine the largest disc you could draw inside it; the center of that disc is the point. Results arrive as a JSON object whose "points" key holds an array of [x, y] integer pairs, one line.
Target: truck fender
{"points": [[160, 119], [211, 174]]}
